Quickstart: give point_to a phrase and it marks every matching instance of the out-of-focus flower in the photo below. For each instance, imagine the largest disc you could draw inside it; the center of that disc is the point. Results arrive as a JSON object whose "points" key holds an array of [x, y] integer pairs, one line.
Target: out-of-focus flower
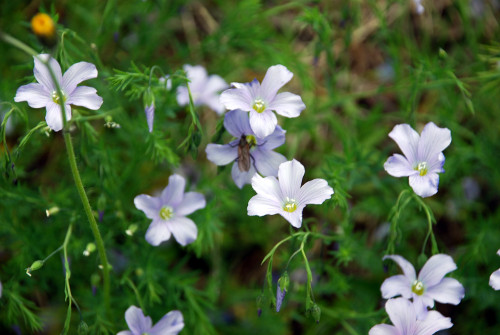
{"points": [[249, 153], [43, 25], [404, 317], [171, 324], [423, 157], [495, 277], [168, 212], [430, 284], [419, 7], [204, 88], [261, 99], [44, 93], [285, 196]]}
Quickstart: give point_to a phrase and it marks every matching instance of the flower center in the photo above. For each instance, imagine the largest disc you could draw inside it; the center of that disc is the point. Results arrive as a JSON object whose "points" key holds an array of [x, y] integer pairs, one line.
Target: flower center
{"points": [[422, 168], [290, 205], [55, 96], [418, 287], [166, 212], [259, 105], [251, 140]]}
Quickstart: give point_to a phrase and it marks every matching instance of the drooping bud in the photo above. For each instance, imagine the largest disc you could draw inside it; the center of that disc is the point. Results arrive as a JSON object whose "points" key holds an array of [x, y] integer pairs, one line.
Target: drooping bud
{"points": [[51, 211], [83, 328], [284, 281], [149, 108], [89, 249], [315, 312], [260, 299], [35, 266], [131, 229]]}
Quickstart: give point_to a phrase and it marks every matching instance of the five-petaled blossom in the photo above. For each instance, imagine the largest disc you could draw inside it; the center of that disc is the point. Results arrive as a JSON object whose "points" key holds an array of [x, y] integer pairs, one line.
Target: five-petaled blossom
{"points": [[495, 277], [44, 93], [430, 284], [424, 157], [204, 88], [168, 212], [171, 324], [285, 196], [404, 317], [249, 153], [261, 99]]}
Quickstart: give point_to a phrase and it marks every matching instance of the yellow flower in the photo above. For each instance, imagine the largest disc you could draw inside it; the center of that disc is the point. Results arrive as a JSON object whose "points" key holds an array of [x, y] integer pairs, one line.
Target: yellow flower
{"points": [[43, 25]]}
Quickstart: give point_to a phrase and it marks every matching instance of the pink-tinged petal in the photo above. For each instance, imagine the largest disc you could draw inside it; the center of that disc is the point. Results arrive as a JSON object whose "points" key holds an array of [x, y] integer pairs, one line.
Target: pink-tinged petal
{"points": [[149, 205], [125, 332], [183, 96], [402, 314], [42, 74], [435, 269], [171, 324], [295, 217], [433, 323], [172, 194], [236, 122], [242, 178], [54, 116], [263, 124], [448, 291], [261, 205], [86, 97], [398, 166], [76, 74], [268, 187], [314, 192], [183, 229], [191, 202], [420, 305], [276, 139], [407, 140], [136, 321], [237, 98], [396, 285], [287, 104], [267, 162], [495, 280], [433, 140], [383, 329], [221, 154], [408, 269], [35, 94], [150, 116], [425, 186], [290, 176], [276, 77], [158, 232]]}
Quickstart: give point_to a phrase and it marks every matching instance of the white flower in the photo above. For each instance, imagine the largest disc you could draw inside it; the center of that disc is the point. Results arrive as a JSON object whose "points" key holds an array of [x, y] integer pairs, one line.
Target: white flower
{"points": [[495, 278]]}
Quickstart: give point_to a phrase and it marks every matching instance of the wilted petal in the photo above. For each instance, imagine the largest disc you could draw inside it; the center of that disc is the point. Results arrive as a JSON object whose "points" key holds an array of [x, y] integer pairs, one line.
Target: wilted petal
{"points": [[383, 329], [398, 166], [295, 217], [35, 94], [407, 140], [136, 321], [276, 77], [433, 323], [495, 280], [396, 285], [280, 295], [314, 192], [173, 193], [86, 97], [276, 139], [425, 186], [149, 205], [236, 123], [402, 314], [76, 74], [290, 176], [171, 324], [433, 140], [435, 269], [267, 162], [263, 124], [242, 177], [150, 116], [54, 116], [42, 74], [406, 266], [158, 232], [261, 205], [237, 98], [191, 202], [221, 154], [448, 291], [183, 229], [287, 104]]}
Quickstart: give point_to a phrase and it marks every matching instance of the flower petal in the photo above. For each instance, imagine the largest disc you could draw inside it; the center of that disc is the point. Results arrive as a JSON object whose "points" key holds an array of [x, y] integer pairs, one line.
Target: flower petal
{"points": [[237, 124], [237, 98], [42, 74], [213, 86], [183, 229], [396, 285], [287, 104], [54, 116], [150, 116], [433, 140], [242, 178], [448, 291], [191, 202], [221, 154], [136, 321], [276, 139], [125, 332], [495, 280], [268, 187], [35, 94], [76, 74], [433, 322], [383, 329], [402, 314], [435, 269], [171, 324], [263, 124], [408, 269], [420, 305], [276, 77], [86, 97], [182, 95], [295, 217], [436, 165], [280, 295], [290, 176], [314, 192], [407, 140], [398, 166], [425, 186], [172, 194], [158, 232], [214, 104], [261, 205], [148, 204], [267, 162]]}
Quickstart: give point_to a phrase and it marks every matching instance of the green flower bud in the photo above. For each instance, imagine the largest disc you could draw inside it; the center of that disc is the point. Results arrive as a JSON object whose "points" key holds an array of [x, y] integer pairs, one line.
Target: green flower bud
{"points": [[315, 312], [35, 266], [284, 281], [83, 328], [148, 98]]}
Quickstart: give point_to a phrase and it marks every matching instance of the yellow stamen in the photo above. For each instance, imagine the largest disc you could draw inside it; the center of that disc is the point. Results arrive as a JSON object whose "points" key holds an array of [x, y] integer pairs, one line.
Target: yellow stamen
{"points": [[418, 287], [290, 205], [259, 105], [422, 168], [251, 140], [166, 212]]}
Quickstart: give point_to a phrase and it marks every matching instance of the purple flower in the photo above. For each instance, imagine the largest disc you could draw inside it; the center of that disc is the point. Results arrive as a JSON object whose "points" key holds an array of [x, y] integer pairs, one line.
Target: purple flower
{"points": [[171, 324], [404, 317], [424, 158], [430, 284], [280, 295], [168, 212], [150, 116], [44, 93], [204, 89], [261, 99], [285, 196], [494, 278], [249, 153]]}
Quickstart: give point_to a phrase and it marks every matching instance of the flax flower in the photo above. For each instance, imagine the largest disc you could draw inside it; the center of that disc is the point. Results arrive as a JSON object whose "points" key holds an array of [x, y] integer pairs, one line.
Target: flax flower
{"points": [[495, 278], [171, 324]]}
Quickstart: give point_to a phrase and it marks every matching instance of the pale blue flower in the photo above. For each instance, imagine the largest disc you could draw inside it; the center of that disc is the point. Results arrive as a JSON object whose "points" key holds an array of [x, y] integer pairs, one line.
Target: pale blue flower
{"points": [[43, 93], [168, 212], [249, 153], [171, 324]]}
